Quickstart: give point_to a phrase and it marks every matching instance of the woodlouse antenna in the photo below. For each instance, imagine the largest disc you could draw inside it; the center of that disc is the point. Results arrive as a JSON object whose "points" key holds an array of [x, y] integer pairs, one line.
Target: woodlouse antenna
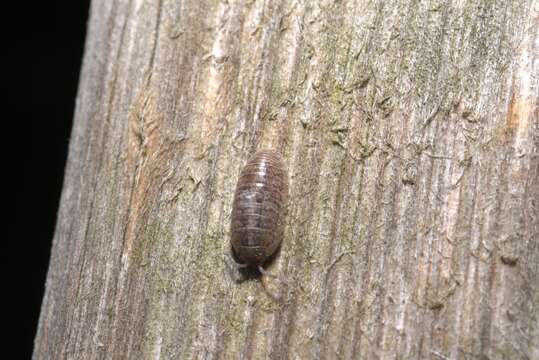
{"points": [[270, 293], [265, 274]]}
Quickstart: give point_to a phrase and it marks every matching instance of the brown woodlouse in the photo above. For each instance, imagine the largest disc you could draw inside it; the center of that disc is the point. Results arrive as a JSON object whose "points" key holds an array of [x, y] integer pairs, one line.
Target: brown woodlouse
{"points": [[256, 226]]}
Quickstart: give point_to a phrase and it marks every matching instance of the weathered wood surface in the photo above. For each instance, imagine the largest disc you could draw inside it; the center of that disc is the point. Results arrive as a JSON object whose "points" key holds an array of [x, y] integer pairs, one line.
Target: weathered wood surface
{"points": [[410, 131]]}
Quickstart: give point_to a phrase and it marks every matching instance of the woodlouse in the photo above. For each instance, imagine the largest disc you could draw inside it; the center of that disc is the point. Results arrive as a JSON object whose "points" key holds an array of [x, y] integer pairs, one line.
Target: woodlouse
{"points": [[257, 219]]}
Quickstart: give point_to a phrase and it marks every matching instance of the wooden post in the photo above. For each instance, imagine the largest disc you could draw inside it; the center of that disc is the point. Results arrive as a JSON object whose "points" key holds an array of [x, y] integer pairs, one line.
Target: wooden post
{"points": [[410, 132]]}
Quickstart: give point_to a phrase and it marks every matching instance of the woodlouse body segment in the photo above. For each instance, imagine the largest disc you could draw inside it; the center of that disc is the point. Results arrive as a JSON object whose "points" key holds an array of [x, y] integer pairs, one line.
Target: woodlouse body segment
{"points": [[257, 219]]}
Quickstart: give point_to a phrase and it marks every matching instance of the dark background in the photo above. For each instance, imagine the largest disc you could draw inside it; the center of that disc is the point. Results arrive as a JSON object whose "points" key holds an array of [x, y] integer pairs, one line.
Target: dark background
{"points": [[58, 32]]}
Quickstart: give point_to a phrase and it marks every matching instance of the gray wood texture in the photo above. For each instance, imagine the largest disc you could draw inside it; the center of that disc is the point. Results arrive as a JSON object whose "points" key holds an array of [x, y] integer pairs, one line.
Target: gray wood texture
{"points": [[410, 132]]}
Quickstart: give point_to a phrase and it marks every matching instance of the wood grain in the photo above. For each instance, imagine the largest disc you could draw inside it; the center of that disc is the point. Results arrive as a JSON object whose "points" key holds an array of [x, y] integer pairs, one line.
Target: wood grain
{"points": [[410, 131]]}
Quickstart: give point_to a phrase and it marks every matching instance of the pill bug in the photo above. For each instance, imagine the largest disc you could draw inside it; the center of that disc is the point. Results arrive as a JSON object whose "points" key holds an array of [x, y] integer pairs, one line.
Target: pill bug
{"points": [[257, 219]]}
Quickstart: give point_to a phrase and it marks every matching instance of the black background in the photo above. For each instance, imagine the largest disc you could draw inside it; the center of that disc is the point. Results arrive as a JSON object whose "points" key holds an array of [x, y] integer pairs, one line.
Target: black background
{"points": [[57, 32]]}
